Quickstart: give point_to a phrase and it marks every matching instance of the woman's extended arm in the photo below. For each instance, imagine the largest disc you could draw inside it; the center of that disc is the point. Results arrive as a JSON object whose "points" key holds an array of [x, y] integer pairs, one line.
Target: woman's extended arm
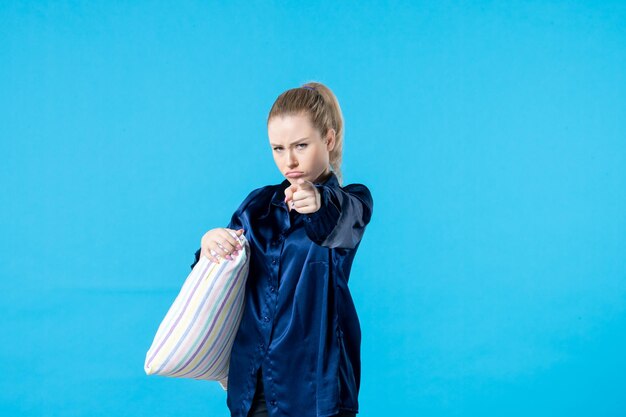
{"points": [[342, 217]]}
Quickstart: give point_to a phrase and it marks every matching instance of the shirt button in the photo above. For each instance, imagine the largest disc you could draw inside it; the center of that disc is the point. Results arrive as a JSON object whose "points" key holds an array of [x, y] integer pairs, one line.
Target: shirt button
{"points": [[266, 318], [261, 346], [272, 289], [273, 402], [274, 261]]}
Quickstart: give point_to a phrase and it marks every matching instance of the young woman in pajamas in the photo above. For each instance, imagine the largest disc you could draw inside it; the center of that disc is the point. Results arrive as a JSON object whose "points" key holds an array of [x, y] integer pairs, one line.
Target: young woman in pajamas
{"points": [[297, 350]]}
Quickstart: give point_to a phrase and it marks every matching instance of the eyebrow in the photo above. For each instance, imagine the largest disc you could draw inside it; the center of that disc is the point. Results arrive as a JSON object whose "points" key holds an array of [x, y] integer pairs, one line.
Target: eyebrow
{"points": [[292, 143]]}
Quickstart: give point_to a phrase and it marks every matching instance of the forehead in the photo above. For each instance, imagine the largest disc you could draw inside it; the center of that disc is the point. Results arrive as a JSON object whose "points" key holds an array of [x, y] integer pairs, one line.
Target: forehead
{"points": [[286, 128]]}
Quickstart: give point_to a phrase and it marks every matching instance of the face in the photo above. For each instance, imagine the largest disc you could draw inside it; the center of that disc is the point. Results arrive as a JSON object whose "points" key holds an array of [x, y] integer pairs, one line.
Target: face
{"points": [[298, 147]]}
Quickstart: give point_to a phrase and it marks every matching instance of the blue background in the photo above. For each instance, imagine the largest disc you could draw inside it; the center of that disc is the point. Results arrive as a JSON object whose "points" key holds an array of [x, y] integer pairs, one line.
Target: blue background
{"points": [[492, 278]]}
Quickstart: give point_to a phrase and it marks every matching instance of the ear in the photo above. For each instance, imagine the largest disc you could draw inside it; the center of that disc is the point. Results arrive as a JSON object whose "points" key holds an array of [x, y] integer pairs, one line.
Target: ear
{"points": [[330, 140]]}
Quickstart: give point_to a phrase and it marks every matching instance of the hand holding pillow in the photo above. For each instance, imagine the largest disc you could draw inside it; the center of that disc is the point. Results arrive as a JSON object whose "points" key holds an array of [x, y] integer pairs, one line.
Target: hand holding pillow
{"points": [[220, 242]]}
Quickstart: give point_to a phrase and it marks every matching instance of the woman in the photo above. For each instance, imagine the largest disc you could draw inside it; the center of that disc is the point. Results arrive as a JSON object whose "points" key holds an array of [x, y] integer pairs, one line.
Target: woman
{"points": [[297, 350]]}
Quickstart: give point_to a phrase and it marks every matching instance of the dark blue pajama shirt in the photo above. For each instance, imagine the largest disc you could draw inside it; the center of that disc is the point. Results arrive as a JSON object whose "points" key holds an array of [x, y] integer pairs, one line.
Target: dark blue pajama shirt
{"points": [[299, 323]]}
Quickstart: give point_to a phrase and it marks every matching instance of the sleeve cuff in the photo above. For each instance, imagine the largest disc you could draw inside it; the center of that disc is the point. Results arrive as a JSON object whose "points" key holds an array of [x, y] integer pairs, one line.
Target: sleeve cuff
{"points": [[322, 222]]}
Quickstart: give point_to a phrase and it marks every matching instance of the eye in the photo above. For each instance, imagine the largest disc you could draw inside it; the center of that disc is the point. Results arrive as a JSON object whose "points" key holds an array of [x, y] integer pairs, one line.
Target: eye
{"points": [[303, 145]]}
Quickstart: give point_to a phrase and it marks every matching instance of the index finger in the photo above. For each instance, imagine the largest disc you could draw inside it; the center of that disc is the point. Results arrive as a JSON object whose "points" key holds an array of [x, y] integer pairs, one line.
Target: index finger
{"points": [[289, 191], [228, 238]]}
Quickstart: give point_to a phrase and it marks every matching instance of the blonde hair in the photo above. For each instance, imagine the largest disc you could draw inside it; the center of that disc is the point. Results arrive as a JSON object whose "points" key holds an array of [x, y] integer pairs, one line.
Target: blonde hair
{"points": [[320, 104]]}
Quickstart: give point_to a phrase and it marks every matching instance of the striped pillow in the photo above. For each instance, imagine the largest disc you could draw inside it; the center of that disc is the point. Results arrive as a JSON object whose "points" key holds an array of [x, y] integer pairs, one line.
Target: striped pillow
{"points": [[195, 338]]}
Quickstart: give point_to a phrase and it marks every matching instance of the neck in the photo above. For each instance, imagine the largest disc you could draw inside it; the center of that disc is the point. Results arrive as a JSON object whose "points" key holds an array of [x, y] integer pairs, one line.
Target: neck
{"points": [[323, 176]]}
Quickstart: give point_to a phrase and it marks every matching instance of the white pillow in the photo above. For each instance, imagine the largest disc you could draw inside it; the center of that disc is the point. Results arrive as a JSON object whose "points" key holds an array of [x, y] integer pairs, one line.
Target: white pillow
{"points": [[196, 336]]}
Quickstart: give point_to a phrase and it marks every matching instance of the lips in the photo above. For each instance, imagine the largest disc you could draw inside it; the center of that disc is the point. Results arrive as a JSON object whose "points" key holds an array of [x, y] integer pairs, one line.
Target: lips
{"points": [[294, 174]]}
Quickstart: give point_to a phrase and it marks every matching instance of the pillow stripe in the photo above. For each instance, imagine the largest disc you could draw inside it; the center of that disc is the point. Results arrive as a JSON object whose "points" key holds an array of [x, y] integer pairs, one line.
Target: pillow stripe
{"points": [[218, 346], [178, 319], [178, 308], [221, 359], [186, 324], [214, 318]]}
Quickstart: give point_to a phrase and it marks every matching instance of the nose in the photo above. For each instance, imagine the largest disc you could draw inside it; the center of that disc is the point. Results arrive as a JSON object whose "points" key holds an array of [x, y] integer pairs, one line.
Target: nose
{"points": [[291, 159]]}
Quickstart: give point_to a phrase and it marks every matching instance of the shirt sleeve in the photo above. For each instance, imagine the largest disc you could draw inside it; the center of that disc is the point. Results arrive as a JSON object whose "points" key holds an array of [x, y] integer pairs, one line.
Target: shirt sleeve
{"points": [[342, 217], [239, 220]]}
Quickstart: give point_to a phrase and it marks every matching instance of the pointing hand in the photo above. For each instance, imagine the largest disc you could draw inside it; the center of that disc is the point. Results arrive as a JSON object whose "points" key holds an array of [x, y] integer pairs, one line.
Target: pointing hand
{"points": [[303, 197]]}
